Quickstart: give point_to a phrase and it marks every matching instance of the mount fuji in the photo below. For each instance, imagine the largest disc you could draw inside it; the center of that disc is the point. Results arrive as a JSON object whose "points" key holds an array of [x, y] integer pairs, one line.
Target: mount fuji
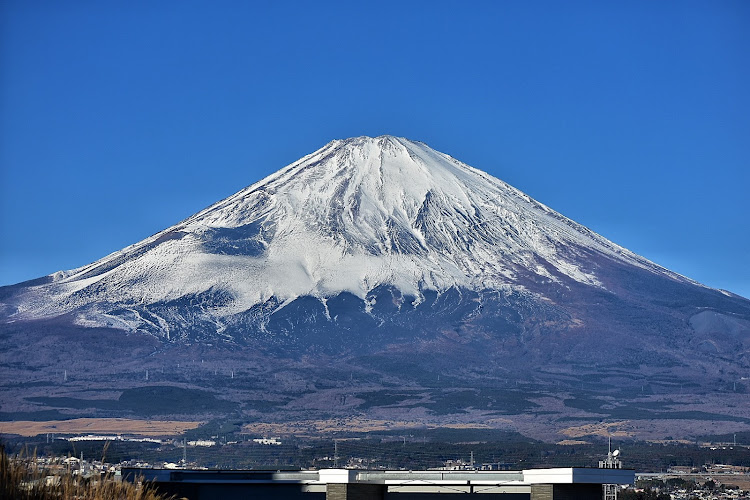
{"points": [[382, 255]]}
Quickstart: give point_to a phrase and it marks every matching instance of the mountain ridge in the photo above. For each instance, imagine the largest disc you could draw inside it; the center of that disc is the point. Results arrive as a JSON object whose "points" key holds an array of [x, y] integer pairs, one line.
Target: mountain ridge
{"points": [[381, 279]]}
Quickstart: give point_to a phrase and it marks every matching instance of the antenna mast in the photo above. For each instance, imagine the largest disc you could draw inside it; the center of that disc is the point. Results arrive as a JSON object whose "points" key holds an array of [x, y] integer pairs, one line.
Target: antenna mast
{"points": [[611, 462]]}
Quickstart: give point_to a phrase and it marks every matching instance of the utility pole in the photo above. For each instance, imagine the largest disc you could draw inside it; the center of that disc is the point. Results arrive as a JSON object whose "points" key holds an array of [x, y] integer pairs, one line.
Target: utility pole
{"points": [[335, 454]]}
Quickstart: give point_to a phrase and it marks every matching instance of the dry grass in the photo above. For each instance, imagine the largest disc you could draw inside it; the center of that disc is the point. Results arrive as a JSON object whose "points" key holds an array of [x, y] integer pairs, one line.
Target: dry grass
{"points": [[620, 429], [21, 479], [353, 424], [572, 442], [98, 426]]}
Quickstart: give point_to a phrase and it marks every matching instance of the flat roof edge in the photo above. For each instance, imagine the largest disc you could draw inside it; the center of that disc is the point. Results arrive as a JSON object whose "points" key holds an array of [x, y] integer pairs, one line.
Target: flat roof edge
{"points": [[564, 475]]}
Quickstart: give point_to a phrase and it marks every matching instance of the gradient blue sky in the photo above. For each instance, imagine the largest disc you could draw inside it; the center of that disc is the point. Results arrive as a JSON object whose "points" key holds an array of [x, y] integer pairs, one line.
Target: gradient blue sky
{"points": [[119, 119]]}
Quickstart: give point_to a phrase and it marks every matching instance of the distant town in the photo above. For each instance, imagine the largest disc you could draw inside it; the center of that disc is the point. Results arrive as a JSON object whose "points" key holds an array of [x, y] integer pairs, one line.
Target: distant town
{"points": [[104, 456]]}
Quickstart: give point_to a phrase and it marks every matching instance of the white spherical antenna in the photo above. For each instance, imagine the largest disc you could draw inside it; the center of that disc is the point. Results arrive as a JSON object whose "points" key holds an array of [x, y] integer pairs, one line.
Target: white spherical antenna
{"points": [[616, 453]]}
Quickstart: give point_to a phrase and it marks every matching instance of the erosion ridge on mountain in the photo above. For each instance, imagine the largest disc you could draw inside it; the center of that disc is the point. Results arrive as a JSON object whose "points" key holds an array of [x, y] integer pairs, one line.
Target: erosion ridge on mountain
{"points": [[380, 264]]}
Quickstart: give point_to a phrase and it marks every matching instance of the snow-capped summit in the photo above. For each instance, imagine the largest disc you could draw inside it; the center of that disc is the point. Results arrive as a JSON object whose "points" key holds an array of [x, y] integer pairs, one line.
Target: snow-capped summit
{"points": [[355, 215]]}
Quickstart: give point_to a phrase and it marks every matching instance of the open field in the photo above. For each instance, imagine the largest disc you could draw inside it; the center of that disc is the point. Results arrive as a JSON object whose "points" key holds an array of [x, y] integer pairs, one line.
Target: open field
{"points": [[98, 426], [313, 428], [741, 479], [602, 429]]}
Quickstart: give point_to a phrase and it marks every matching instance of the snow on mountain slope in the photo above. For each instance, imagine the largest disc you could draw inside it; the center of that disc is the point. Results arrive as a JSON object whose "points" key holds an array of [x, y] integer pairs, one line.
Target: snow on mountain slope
{"points": [[356, 214]]}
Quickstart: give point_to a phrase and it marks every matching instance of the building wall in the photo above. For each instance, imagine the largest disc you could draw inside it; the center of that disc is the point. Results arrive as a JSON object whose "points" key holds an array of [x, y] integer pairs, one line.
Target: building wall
{"points": [[455, 496], [225, 491], [566, 492], [355, 491]]}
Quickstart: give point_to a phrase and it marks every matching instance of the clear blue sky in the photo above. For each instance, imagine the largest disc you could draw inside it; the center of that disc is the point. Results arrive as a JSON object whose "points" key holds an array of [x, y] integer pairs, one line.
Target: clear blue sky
{"points": [[119, 119]]}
